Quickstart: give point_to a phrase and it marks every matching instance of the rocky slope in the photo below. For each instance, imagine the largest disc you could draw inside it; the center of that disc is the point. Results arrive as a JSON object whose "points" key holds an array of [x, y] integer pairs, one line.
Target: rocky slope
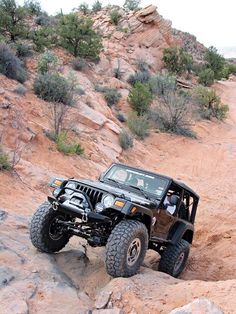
{"points": [[71, 281]]}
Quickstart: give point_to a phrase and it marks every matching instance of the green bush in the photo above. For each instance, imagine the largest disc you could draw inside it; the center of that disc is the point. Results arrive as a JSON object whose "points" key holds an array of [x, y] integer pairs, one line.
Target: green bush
{"points": [[4, 161], [84, 8], [20, 90], [131, 5], [140, 76], [140, 97], [97, 6], [10, 65], [115, 17], [125, 139], [48, 61], [215, 62], [67, 148], [43, 38], [23, 50], [173, 115], [138, 125], [12, 19], [78, 37], [210, 104], [53, 88], [79, 64], [206, 77], [177, 60], [112, 96], [162, 84]]}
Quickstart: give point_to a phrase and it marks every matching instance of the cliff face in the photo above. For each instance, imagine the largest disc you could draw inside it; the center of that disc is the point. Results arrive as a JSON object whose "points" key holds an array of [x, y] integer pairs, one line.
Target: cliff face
{"points": [[68, 282]]}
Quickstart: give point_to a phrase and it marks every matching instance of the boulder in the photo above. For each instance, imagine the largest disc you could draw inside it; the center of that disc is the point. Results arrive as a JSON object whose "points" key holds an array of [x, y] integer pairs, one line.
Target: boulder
{"points": [[203, 306], [91, 117]]}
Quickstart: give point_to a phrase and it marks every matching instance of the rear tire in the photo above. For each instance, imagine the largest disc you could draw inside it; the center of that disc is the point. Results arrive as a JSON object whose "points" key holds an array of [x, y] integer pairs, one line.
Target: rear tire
{"points": [[44, 233], [126, 248], [174, 258]]}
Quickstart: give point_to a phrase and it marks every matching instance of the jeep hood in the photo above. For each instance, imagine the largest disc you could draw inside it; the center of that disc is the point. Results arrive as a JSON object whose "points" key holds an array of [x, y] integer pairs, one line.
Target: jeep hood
{"points": [[133, 196]]}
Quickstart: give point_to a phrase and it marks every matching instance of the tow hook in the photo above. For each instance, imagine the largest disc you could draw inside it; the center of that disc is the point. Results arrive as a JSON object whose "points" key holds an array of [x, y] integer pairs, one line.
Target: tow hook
{"points": [[55, 206], [84, 217]]}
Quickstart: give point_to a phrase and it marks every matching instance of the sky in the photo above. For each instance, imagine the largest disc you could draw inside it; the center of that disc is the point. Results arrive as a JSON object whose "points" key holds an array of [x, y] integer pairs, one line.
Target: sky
{"points": [[213, 22]]}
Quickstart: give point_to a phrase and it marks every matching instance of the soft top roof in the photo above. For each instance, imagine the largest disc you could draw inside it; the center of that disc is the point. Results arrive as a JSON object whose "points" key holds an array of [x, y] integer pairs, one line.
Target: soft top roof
{"points": [[175, 182]]}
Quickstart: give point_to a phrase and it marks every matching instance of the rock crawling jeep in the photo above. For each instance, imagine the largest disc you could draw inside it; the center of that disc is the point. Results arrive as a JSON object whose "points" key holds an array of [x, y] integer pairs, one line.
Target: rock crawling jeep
{"points": [[128, 210]]}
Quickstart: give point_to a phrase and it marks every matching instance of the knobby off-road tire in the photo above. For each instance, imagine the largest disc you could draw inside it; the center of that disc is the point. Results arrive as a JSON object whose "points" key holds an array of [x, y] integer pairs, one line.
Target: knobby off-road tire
{"points": [[43, 232], [126, 248], [174, 258]]}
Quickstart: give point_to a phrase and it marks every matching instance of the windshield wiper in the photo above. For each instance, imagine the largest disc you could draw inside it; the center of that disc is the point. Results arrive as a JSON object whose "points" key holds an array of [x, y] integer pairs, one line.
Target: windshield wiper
{"points": [[141, 190], [112, 180]]}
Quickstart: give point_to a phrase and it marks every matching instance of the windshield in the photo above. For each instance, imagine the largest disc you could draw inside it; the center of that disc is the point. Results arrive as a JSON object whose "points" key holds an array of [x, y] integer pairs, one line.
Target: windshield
{"points": [[139, 179]]}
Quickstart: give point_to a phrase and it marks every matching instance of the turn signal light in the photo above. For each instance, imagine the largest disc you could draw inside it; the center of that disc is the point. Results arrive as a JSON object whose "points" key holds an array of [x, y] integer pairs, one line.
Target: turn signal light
{"points": [[119, 204]]}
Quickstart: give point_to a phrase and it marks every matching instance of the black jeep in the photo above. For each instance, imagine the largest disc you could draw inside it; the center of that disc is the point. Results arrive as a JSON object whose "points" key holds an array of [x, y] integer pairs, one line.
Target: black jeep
{"points": [[128, 210]]}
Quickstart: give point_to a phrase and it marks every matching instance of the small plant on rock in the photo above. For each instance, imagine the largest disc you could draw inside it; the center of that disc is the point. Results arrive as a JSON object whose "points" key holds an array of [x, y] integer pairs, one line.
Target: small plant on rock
{"points": [[112, 96], [49, 61], [125, 139], [4, 161], [140, 98], [115, 17], [138, 125], [64, 146]]}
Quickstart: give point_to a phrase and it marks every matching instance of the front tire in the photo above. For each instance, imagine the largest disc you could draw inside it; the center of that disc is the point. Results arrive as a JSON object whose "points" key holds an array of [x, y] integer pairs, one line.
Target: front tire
{"points": [[174, 258], [44, 233], [126, 248]]}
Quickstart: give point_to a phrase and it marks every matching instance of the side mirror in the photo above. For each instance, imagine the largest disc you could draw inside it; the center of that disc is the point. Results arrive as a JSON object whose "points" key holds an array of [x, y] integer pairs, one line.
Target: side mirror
{"points": [[174, 199]]}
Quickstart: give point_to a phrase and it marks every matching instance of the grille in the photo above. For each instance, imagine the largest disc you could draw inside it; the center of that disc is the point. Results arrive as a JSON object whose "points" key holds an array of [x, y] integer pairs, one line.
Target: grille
{"points": [[94, 195]]}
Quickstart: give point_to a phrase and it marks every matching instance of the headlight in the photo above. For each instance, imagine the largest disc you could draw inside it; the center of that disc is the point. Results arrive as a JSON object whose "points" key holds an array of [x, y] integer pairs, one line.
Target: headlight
{"points": [[108, 200], [70, 185]]}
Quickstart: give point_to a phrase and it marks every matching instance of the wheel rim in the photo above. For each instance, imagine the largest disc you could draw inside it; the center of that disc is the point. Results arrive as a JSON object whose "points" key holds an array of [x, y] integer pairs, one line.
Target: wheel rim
{"points": [[133, 252], [55, 231], [179, 262]]}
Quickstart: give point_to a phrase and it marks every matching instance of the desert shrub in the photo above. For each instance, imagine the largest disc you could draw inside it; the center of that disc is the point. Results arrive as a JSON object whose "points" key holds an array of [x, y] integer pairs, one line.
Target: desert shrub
{"points": [[43, 20], [23, 50], [115, 17], [20, 90], [206, 77], [131, 5], [231, 68], [215, 62], [48, 61], [112, 96], [140, 97], [78, 37], [177, 60], [125, 139], [79, 64], [210, 104], [100, 88], [121, 117], [4, 161], [84, 8], [12, 19], [64, 146], [162, 84], [33, 7], [53, 88], [117, 73], [140, 76], [43, 38], [138, 125], [173, 115], [97, 6], [10, 65], [142, 65]]}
